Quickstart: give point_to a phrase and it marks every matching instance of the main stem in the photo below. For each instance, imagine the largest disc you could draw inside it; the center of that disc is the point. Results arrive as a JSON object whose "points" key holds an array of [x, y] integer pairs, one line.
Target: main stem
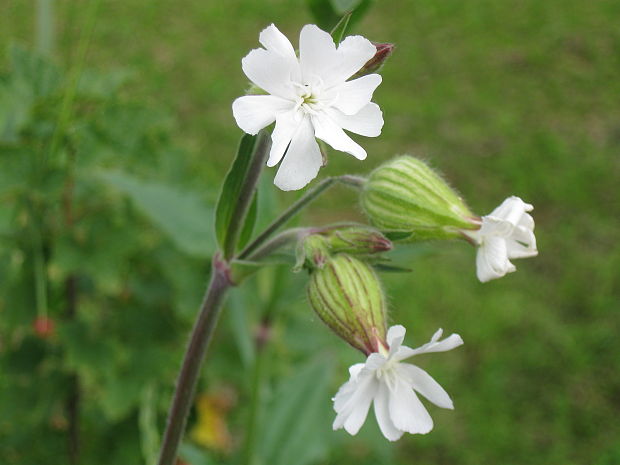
{"points": [[194, 356]]}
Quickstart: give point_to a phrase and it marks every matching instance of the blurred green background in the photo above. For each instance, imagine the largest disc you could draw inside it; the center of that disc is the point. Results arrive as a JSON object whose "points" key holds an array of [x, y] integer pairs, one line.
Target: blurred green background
{"points": [[505, 98]]}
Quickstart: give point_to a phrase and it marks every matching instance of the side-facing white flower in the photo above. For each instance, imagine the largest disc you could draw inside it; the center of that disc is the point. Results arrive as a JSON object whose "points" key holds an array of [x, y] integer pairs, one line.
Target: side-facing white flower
{"points": [[508, 232], [309, 97], [391, 384]]}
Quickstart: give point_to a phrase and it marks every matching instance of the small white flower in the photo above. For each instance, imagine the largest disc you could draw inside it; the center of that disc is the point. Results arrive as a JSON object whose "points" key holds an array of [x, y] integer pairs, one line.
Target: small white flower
{"points": [[391, 385], [508, 232], [309, 97]]}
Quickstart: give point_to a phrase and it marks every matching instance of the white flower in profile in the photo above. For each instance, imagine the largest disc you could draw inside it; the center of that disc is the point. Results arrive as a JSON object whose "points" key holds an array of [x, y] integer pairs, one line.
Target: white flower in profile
{"points": [[506, 233], [309, 97], [391, 385]]}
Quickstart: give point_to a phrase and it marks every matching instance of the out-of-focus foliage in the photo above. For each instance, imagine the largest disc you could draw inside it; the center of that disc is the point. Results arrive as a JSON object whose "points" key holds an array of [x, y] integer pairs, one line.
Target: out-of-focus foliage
{"points": [[75, 228], [504, 97]]}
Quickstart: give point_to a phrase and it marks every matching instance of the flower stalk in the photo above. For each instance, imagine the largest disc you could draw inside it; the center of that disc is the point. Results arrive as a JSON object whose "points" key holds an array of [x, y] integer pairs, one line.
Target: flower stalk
{"points": [[194, 356], [300, 204]]}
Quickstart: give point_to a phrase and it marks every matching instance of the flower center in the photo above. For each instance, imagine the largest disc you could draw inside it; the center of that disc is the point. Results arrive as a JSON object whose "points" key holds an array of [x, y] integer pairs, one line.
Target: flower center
{"points": [[388, 373]]}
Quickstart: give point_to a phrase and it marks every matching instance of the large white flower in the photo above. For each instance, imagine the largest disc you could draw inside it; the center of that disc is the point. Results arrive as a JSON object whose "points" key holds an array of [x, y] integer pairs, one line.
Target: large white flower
{"points": [[309, 97], [391, 385], [508, 232]]}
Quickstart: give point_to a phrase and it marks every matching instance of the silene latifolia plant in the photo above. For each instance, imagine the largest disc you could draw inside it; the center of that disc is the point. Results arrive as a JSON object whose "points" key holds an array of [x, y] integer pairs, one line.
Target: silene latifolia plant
{"points": [[314, 95]]}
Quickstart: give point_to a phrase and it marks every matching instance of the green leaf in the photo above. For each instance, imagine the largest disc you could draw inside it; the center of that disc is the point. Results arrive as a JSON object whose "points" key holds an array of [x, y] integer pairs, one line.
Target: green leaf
{"points": [[328, 13], [240, 326], [391, 268], [194, 455], [40, 74], [297, 427], [231, 190], [340, 31], [248, 225], [323, 13], [179, 214]]}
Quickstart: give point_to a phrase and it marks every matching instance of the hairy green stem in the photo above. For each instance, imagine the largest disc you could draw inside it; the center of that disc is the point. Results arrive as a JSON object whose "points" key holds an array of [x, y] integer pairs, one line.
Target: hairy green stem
{"points": [[296, 207], [284, 238], [194, 356]]}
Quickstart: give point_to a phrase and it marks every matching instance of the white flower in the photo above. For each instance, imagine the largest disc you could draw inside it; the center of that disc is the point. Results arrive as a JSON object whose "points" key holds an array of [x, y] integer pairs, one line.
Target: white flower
{"points": [[391, 385], [309, 97], [508, 232]]}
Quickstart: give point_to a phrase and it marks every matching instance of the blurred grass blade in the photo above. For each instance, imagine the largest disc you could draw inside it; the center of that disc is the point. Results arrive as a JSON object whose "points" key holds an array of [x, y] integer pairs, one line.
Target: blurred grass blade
{"points": [[297, 427], [149, 436], [180, 215]]}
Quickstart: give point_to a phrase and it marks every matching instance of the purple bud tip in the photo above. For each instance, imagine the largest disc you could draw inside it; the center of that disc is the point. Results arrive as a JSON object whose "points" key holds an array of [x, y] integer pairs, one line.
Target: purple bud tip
{"points": [[382, 244], [384, 50]]}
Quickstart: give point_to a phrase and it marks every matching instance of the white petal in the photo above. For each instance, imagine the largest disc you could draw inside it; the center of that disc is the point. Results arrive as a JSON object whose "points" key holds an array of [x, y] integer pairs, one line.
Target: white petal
{"points": [[287, 124], [354, 370], [395, 337], [319, 57], [434, 345], [367, 122], [353, 53], [521, 244], [494, 226], [406, 410], [382, 413], [512, 209], [328, 131], [352, 403], [492, 259], [422, 382], [317, 53], [270, 72], [354, 95], [302, 161], [375, 361], [273, 40], [254, 112]]}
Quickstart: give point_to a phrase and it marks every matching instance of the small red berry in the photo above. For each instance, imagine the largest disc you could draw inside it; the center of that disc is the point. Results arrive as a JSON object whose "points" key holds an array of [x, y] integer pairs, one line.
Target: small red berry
{"points": [[43, 327]]}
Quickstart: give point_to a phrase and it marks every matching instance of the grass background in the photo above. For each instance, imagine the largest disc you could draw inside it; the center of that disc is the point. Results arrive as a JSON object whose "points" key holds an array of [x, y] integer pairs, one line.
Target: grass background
{"points": [[505, 98]]}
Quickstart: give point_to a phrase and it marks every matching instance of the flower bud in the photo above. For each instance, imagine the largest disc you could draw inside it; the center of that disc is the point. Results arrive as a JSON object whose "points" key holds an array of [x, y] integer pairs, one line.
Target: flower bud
{"points": [[314, 249], [357, 240], [312, 252], [406, 196], [347, 296], [384, 50]]}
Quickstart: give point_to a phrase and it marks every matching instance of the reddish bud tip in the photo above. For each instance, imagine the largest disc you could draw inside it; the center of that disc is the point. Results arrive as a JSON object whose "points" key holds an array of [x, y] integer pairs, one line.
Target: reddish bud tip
{"points": [[384, 50]]}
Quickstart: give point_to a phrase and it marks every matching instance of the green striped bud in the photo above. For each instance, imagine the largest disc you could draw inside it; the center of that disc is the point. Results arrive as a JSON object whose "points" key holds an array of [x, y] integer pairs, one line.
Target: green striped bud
{"points": [[347, 296], [406, 196]]}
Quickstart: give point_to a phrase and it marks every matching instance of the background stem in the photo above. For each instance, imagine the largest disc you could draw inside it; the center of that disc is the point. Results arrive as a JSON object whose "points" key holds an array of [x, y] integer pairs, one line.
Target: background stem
{"points": [[261, 340], [45, 29], [194, 357], [73, 398]]}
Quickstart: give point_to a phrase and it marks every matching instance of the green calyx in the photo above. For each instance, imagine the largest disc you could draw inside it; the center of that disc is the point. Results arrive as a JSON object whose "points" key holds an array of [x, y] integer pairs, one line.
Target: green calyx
{"points": [[406, 196], [347, 295]]}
